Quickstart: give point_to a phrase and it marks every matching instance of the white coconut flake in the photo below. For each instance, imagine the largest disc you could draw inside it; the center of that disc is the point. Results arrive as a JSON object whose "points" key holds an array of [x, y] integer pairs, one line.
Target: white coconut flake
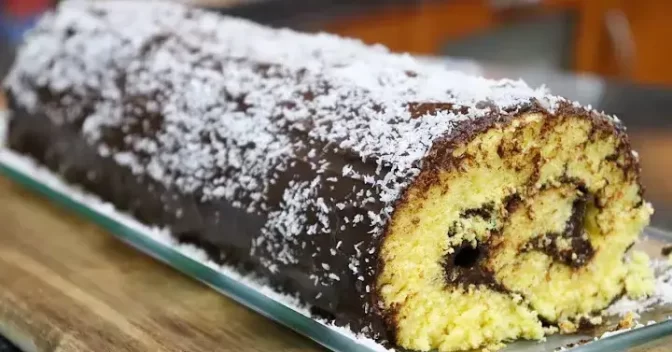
{"points": [[162, 237]]}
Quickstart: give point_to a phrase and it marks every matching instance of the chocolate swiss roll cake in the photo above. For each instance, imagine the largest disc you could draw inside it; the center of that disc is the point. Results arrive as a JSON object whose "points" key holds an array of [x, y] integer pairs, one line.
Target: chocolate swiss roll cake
{"points": [[419, 207]]}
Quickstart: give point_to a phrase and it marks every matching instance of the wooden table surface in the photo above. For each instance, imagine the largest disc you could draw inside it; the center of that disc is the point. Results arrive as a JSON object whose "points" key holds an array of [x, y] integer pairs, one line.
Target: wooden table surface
{"points": [[69, 286]]}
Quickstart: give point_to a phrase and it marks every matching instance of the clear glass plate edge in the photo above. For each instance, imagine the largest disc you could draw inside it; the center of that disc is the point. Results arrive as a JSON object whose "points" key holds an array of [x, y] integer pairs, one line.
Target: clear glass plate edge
{"points": [[325, 335], [246, 295]]}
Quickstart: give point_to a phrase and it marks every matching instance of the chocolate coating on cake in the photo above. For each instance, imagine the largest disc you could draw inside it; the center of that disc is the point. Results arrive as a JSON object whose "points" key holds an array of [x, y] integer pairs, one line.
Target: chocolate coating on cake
{"points": [[281, 153]]}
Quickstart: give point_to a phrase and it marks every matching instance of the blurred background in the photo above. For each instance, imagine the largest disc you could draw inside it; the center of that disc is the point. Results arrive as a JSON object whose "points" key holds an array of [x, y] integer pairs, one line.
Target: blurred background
{"points": [[611, 54]]}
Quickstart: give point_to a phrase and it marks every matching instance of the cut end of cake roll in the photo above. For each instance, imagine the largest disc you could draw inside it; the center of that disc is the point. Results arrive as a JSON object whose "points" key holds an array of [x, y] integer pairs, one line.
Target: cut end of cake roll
{"points": [[510, 229]]}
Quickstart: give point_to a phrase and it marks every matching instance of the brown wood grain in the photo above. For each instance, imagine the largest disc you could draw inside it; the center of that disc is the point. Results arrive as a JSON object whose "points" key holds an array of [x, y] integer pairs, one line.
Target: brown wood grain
{"points": [[68, 286]]}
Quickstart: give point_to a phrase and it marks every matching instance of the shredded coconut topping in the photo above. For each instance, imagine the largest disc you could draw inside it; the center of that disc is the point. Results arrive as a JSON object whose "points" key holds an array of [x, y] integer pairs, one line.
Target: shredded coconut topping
{"points": [[223, 108]]}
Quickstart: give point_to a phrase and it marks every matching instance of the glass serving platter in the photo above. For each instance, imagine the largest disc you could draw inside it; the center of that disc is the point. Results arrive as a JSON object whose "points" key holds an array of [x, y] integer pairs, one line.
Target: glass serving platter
{"points": [[250, 293]]}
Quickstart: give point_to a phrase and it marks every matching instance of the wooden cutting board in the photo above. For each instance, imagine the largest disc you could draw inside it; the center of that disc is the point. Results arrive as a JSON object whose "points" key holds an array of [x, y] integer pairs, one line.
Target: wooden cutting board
{"points": [[66, 285]]}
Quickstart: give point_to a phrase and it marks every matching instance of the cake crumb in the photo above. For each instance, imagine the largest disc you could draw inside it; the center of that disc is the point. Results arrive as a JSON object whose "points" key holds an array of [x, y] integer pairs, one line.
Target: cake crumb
{"points": [[660, 295], [595, 320], [627, 322], [550, 330], [567, 327], [640, 281]]}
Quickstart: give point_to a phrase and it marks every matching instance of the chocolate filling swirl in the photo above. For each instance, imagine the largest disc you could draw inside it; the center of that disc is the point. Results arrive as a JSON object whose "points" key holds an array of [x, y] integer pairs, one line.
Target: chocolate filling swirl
{"points": [[465, 264], [571, 246]]}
